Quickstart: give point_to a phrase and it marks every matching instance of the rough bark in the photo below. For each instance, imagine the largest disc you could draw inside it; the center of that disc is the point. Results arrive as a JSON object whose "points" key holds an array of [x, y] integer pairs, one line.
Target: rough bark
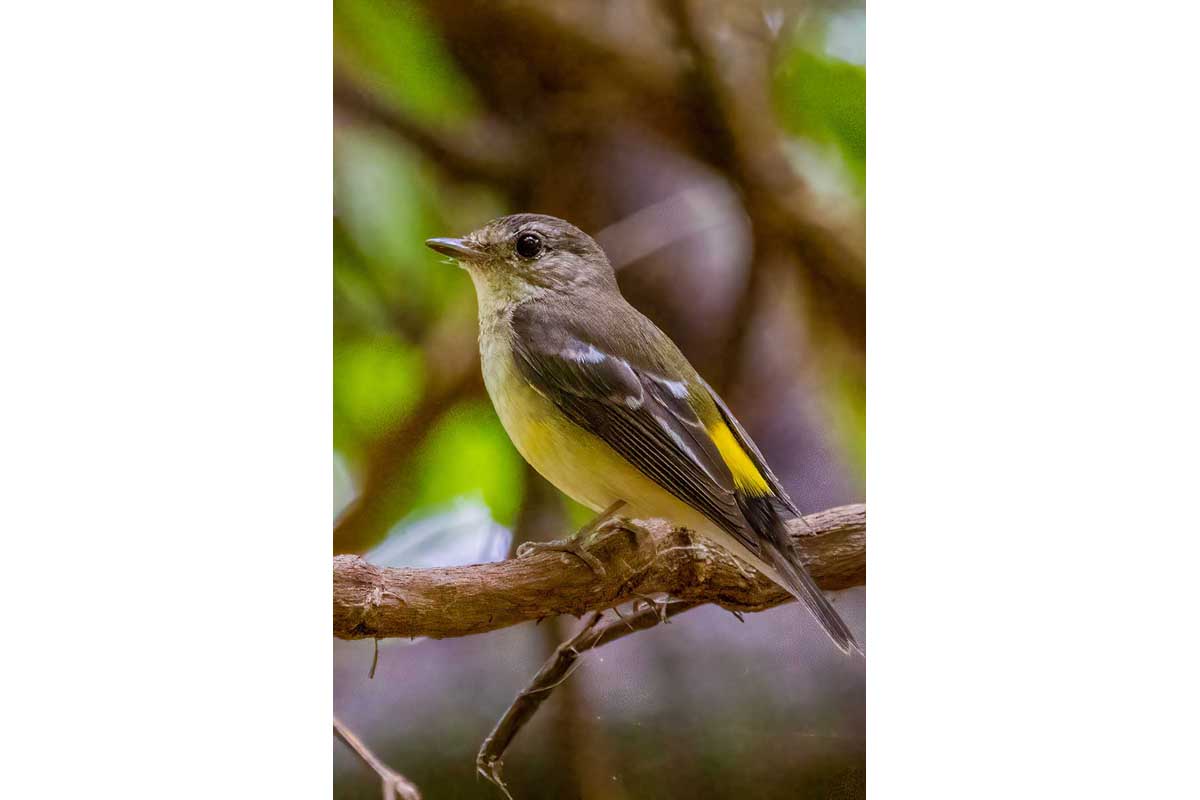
{"points": [[641, 559]]}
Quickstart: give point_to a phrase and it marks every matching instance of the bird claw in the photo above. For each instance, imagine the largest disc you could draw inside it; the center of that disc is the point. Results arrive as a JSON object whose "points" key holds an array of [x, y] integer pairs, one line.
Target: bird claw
{"points": [[600, 527], [572, 546]]}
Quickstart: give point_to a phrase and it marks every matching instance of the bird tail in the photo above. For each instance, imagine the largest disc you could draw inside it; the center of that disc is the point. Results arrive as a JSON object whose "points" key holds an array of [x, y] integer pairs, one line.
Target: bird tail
{"points": [[769, 520]]}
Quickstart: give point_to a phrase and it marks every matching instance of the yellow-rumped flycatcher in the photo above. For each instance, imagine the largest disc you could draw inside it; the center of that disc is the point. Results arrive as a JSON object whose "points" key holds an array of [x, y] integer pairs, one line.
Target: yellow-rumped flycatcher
{"points": [[606, 408]]}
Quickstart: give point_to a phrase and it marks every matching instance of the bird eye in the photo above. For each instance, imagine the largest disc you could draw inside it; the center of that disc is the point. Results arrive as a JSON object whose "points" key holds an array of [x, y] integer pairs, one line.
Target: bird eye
{"points": [[529, 245]]}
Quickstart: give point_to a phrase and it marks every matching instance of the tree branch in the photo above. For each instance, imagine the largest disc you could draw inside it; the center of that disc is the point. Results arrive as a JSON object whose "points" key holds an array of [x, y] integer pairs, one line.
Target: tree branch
{"points": [[394, 784], [645, 558], [487, 150], [556, 670]]}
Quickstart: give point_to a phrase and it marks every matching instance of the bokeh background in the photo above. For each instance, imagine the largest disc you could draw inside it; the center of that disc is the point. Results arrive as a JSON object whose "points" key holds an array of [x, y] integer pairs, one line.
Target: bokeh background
{"points": [[716, 150]]}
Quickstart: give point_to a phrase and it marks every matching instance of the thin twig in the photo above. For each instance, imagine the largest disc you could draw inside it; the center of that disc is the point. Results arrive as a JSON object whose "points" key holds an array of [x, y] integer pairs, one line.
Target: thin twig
{"points": [[394, 784], [554, 672]]}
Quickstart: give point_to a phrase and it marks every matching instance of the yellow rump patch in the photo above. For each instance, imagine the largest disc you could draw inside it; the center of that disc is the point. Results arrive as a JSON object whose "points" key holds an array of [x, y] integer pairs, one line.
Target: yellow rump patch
{"points": [[745, 475]]}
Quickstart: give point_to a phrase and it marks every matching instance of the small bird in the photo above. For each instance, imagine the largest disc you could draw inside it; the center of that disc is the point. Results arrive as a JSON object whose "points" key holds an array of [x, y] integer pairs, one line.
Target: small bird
{"points": [[602, 403]]}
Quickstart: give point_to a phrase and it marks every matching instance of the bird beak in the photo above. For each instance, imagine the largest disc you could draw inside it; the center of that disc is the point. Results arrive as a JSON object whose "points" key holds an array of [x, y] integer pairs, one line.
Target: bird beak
{"points": [[455, 248]]}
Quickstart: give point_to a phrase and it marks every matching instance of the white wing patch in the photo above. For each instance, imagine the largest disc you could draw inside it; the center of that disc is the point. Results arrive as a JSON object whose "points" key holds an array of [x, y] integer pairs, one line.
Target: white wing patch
{"points": [[684, 446], [584, 354], [677, 388], [675, 437]]}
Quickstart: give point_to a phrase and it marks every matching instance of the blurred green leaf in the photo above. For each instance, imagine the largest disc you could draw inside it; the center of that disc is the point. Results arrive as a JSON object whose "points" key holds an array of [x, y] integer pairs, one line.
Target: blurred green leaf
{"points": [[385, 202], [394, 41], [825, 100], [381, 196], [375, 383], [358, 298], [468, 453]]}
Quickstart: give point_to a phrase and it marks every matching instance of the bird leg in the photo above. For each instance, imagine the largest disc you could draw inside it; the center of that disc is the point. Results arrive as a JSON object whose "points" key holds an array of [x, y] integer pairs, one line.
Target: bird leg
{"points": [[576, 545]]}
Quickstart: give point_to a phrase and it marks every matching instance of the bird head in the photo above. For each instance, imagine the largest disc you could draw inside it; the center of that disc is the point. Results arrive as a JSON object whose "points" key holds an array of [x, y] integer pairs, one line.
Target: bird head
{"points": [[525, 255]]}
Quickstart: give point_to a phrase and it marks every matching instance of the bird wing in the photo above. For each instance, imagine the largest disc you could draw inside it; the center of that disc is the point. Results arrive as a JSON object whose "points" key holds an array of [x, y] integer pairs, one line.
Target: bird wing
{"points": [[658, 422]]}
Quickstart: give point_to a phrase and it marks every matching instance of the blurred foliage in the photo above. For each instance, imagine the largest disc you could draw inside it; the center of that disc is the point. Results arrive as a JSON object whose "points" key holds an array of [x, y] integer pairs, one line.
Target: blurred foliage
{"points": [[376, 381], [395, 43], [821, 98], [824, 99], [469, 453], [387, 204], [388, 288]]}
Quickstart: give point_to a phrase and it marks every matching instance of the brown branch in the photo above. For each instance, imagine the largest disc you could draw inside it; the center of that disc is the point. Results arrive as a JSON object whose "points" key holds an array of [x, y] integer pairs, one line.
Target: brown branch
{"points": [[486, 150], [557, 669], [394, 784], [647, 558]]}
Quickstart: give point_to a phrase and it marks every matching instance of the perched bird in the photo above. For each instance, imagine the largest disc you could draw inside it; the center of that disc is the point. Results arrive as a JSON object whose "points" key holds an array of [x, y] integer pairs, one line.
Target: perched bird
{"points": [[602, 403]]}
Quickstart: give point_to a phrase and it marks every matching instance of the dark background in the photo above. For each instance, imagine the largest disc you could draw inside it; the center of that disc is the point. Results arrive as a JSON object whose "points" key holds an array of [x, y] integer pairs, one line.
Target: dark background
{"points": [[716, 150]]}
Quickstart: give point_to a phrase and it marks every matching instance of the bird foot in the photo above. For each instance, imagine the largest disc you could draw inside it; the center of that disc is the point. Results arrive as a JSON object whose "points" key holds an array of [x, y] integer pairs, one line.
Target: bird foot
{"points": [[573, 546], [627, 524], [602, 525]]}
